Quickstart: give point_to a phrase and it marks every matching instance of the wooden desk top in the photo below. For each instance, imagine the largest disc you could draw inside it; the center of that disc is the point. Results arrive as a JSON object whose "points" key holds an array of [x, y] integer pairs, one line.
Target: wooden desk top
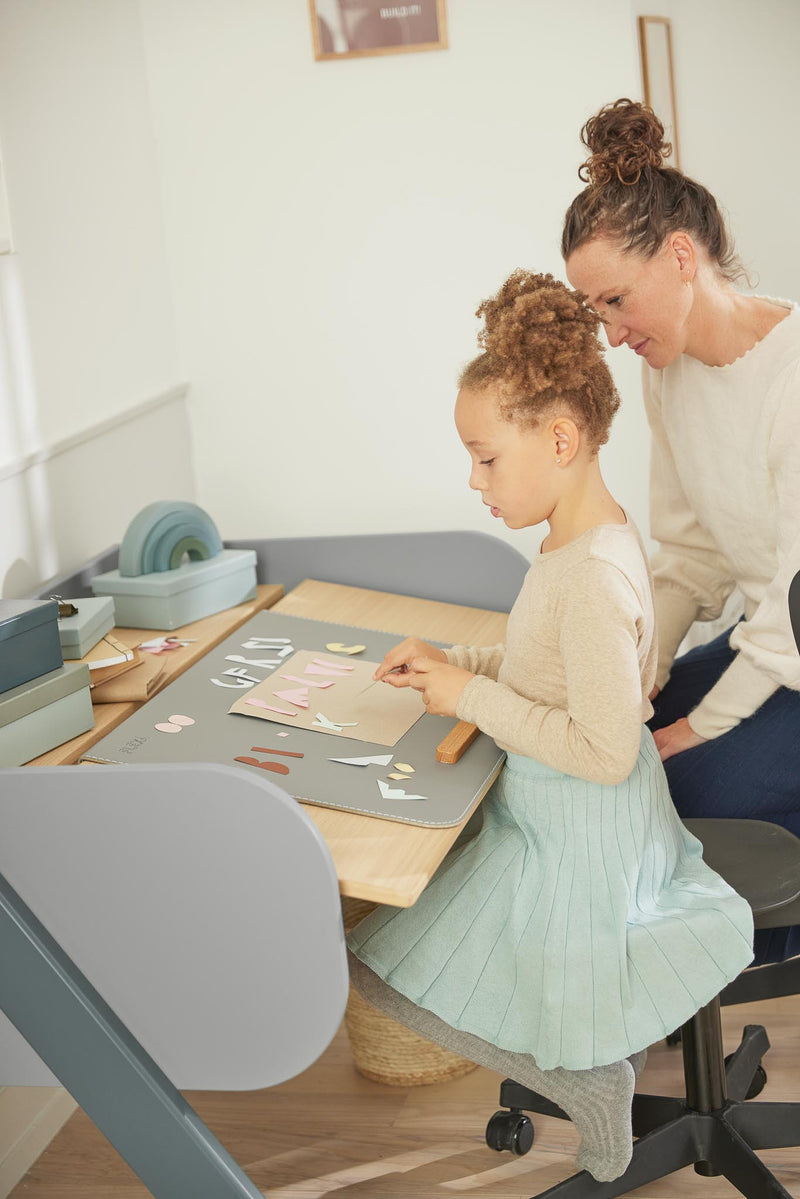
{"points": [[384, 860], [205, 634]]}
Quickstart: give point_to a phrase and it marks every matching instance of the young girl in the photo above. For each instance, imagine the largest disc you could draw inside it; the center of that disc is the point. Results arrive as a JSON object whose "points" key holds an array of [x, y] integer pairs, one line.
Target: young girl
{"points": [[580, 924]]}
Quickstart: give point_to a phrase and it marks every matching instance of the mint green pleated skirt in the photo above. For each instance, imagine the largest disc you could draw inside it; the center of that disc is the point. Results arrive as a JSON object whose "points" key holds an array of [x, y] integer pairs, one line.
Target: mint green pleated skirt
{"points": [[580, 925]]}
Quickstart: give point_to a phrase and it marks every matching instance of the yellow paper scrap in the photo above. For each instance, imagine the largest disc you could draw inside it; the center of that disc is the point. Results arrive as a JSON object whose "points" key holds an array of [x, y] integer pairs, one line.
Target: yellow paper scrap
{"points": [[404, 766], [336, 647]]}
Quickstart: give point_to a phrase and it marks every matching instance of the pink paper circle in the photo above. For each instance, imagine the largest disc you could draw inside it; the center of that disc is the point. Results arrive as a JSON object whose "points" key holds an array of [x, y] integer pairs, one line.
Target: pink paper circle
{"points": [[167, 727], [182, 720]]}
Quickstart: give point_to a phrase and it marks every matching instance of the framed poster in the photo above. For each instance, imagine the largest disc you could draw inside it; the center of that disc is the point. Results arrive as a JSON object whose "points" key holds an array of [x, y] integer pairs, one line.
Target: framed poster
{"points": [[655, 46], [355, 28]]}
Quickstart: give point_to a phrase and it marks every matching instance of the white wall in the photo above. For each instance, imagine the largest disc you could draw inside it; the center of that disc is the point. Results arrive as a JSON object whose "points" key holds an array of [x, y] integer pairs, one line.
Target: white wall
{"points": [[738, 79], [87, 342], [323, 233], [331, 228]]}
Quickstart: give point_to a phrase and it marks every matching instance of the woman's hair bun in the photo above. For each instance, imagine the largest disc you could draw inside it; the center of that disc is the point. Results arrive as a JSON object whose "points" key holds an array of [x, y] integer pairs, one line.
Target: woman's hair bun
{"points": [[623, 138]]}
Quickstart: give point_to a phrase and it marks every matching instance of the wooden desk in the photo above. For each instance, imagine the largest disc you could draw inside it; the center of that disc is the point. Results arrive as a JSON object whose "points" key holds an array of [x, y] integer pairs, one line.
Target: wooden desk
{"points": [[383, 860], [379, 860], [205, 634]]}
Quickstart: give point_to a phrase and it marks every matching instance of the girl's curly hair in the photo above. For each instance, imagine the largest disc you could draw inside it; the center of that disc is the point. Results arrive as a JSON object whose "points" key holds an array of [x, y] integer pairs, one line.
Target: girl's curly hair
{"points": [[542, 351]]}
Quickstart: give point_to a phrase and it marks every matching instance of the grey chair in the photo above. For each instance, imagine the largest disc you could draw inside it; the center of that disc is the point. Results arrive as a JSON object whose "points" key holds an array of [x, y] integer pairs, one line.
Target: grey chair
{"points": [[163, 927]]}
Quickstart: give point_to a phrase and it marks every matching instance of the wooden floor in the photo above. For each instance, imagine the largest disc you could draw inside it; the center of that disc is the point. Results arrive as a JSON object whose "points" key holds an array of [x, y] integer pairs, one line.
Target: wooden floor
{"points": [[332, 1133]]}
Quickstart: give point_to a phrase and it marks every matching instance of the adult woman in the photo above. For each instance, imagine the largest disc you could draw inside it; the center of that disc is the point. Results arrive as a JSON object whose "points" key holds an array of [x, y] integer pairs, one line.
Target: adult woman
{"points": [[648, 246]]}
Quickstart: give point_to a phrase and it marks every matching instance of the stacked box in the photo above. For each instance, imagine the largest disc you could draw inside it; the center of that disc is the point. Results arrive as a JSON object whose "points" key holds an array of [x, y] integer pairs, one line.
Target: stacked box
{"points": [[80, 633], [43, 713], [169, 599], [29, 641], [42, 702]]}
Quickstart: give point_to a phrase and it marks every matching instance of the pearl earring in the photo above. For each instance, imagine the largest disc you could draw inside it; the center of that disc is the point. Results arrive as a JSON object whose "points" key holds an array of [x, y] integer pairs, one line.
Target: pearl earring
{"points": [[558, 460]]}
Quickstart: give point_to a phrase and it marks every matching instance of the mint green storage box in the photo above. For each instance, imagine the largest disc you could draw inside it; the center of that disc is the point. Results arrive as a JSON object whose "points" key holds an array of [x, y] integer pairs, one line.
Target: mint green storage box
{"points": [[78, 634], [44, 713], [29, 644], [168, 599]]}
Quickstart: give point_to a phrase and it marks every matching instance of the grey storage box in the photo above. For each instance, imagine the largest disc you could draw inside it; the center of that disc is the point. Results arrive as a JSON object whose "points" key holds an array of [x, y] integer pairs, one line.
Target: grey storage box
{"points": [[44, 713], [82, 632], [29, 642], [168, 599]]}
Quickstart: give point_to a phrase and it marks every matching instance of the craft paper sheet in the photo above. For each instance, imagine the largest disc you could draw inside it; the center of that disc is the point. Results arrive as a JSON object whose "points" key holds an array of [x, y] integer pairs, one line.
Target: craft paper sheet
{"points": [[344, 691]]}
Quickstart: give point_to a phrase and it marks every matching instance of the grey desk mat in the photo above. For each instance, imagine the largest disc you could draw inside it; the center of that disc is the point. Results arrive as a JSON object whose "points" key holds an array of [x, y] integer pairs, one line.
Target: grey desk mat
{"points": [[219, 736]]}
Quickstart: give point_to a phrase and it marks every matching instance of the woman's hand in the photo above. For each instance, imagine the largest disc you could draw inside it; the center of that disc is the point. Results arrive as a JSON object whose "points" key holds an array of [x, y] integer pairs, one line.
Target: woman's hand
{"points": [[439, 683], [400, 656], [675, 738]]}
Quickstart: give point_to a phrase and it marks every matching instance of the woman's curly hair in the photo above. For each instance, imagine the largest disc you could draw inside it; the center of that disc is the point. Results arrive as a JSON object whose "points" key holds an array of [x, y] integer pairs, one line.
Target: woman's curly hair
{"points": [[542, 351], [632, 196]]}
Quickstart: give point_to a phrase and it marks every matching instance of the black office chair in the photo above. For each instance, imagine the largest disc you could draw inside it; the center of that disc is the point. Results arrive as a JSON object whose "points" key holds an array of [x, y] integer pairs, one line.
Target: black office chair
{"points": [[714, 1127]]}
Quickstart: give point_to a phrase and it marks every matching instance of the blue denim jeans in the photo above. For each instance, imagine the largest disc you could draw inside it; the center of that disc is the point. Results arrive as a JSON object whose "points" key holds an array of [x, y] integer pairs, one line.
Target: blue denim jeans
{"points": [[751, 772]]}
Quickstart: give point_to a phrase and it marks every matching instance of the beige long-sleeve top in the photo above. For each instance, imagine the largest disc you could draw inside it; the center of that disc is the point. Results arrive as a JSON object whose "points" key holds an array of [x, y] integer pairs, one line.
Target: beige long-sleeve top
{"points": [[725, 508], [570, 685]]}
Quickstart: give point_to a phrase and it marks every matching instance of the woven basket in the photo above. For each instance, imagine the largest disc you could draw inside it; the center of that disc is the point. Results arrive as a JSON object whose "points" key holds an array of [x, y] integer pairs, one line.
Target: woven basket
{"points": [[384, 1050]]}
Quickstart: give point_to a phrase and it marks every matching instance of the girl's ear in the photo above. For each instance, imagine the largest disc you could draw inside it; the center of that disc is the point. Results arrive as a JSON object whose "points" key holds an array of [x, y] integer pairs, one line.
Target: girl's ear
{"points": [[565, 438]]}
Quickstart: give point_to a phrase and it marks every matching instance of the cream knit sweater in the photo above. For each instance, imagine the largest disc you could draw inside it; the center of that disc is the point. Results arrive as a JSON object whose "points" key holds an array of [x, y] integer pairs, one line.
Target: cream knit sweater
{"points": [[570, 686], [725, 508]]}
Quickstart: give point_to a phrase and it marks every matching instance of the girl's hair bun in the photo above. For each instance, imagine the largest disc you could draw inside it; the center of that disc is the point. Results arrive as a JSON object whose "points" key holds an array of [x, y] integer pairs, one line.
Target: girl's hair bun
{"points": [[542, 332], [623, 138], [541, 349]]}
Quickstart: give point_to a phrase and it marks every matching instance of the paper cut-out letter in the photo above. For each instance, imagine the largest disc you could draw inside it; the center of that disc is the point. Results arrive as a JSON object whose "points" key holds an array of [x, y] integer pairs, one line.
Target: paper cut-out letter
{"points": [[293, 678], [259, 703], [239, 672], [299, 696], [265, 662], [275, 767], [322, 722]]}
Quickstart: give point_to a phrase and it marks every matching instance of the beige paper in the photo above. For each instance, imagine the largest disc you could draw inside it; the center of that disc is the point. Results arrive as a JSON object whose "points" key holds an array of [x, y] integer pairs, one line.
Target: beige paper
{"points": [[368, 711]]}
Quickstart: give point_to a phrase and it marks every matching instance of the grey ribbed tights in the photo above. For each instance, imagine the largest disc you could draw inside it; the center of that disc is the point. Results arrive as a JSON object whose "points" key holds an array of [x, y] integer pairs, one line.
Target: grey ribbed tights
{"points": [[597, 1101]]}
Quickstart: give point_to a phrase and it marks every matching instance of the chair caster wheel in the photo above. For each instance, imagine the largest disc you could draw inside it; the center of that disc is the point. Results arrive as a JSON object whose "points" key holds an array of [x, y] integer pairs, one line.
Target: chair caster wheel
{"points": [[510, 1130], [759, 1080]]}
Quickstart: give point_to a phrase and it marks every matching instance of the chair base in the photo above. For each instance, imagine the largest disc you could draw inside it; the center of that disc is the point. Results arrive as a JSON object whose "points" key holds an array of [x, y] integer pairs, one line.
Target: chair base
{"points": [[671, 1134]]}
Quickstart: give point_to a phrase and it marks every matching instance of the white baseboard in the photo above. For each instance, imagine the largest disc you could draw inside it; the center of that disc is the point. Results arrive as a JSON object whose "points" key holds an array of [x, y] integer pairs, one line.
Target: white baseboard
{"points": [[29, 1119]]}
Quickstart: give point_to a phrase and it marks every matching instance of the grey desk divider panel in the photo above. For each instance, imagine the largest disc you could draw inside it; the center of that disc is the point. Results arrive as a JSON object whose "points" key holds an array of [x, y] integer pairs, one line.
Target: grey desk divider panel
{"points": [[456, 566], [219, 736], [163, 927]]}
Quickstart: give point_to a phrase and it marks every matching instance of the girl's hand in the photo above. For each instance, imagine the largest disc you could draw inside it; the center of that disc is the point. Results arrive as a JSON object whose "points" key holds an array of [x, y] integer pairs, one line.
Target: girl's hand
{"points": [[401, 656], [675, 738], [439, 683]]}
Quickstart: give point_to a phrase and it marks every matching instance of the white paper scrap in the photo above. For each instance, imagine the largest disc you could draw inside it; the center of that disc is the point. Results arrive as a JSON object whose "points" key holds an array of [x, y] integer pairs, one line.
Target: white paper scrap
{"points": [[380, 760], [395, 792]]}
